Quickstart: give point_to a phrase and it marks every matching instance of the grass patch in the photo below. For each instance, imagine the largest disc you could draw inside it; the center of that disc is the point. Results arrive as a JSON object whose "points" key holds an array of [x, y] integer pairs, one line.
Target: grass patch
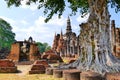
{"points": [[28, 77], [25, 76]]}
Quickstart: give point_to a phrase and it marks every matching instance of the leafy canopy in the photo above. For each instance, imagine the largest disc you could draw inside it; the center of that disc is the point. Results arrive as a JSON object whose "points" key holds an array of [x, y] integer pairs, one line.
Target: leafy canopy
{"points": [[52, 7], [7, 37]]}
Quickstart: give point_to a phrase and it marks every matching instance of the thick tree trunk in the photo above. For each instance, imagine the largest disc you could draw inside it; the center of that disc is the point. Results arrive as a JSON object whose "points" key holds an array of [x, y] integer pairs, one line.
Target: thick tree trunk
{"points": [[95, 41]]}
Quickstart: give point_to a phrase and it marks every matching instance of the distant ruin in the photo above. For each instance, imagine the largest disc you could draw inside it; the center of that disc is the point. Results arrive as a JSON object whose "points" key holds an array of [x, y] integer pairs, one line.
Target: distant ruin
{"points": [[66, 44], [26, 50]]}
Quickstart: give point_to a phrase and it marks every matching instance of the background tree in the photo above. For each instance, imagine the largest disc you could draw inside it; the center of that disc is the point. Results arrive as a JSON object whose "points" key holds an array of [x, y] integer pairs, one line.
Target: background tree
{"points": [[7, 37], [43, 47], [94, 35]]}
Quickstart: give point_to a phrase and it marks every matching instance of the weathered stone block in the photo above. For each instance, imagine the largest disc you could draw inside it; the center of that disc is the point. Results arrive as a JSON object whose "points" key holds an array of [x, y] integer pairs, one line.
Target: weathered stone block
{"points": [[71, 74], [112, 76], [49, 71], [88, 75], [58, 73]]}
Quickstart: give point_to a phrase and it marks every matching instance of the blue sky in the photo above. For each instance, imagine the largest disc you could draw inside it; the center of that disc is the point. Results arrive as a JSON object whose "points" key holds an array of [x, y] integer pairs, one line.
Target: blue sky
{"points": [[29, 21]]}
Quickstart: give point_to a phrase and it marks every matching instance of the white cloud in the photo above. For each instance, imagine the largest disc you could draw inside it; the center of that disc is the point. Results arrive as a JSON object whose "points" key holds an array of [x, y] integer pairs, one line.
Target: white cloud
{"points": [[32, 6], [82, 19], [24, 22]]}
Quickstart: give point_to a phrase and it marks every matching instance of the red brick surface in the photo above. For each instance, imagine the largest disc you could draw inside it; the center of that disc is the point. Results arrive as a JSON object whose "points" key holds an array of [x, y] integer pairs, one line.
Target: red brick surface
{"points": [[6, 63], [38, 67], [37, 72], [7, 66], [43, 62], [54, 57]]}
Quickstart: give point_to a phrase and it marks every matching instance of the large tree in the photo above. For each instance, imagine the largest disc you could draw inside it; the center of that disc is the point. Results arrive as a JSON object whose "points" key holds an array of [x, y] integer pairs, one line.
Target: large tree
{"points": [[7, 37], [94, 35]]}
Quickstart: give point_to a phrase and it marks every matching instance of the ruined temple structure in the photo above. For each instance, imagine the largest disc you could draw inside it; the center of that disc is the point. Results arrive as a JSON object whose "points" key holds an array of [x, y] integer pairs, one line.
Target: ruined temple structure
{"points": [[66, 44], [26, 50], [115, 39]]}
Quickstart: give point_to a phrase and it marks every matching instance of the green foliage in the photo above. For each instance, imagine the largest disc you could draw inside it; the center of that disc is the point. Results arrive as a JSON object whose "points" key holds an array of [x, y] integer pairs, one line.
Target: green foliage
{"points": [[52, 7], [43, 47], [7, 37], [115, 4]]}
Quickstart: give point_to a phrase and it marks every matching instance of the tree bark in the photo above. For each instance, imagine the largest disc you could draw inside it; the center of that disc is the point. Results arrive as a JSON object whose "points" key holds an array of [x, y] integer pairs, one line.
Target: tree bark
{"points": [[95, 41]]}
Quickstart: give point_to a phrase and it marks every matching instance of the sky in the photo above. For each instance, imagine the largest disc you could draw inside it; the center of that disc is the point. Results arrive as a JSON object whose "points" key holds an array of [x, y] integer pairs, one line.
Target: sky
{"points": [[28, 21]]}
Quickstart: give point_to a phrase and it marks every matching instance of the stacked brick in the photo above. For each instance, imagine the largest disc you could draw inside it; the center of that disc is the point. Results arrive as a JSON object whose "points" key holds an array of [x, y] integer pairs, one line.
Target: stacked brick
{"points": [[39, 67], [7, 66]]}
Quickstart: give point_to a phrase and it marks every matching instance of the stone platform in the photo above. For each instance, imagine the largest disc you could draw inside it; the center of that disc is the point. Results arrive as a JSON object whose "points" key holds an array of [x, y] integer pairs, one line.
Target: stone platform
{"points": [[71, 74], [37, 69], [7, 66]]}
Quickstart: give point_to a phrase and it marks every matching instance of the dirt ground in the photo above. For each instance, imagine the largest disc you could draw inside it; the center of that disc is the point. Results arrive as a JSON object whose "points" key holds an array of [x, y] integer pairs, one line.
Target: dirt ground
{"points": [[23, 75]]}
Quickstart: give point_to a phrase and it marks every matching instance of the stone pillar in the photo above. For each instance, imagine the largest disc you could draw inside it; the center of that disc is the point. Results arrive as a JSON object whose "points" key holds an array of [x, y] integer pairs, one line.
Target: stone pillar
{"points": [[15, 52], [33, 52]]}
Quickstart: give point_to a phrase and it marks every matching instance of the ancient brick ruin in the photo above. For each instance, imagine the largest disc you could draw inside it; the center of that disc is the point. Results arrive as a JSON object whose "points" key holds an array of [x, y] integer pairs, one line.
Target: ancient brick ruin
{"points": [[24, 51], [51, 57], [66, 44], [7, 66], [39, 67]]}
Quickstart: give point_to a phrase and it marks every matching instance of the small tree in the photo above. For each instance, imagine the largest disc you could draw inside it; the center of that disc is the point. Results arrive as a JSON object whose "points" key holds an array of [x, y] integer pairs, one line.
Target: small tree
{"points": [[43, 47]]}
